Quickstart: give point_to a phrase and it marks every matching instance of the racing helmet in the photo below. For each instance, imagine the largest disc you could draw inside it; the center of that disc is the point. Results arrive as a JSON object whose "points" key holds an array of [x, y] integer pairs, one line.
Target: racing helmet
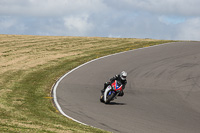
{"points": [[123, 75]]}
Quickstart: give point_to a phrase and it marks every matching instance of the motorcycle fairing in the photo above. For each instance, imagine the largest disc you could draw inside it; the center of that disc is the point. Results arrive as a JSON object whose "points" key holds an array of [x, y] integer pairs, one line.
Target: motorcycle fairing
{"points": [[106, 91], [116, 86]]}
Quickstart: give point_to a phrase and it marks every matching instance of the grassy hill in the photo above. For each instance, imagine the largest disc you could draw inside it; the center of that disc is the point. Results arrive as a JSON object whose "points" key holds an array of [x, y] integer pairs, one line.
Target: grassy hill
{"points": [[30, 65]]}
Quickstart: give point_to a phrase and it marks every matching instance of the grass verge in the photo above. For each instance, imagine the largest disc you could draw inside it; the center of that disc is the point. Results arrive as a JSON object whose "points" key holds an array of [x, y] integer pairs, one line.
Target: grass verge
{"points": [[30, 65]]}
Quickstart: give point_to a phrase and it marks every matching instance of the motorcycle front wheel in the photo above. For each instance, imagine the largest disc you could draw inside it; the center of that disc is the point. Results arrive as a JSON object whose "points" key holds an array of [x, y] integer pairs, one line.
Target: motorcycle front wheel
{"points": [[109, 97]]}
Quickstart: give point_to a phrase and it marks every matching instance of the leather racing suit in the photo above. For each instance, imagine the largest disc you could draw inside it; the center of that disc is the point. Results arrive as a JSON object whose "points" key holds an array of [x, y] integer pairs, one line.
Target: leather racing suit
{"points": [[118, 78]]}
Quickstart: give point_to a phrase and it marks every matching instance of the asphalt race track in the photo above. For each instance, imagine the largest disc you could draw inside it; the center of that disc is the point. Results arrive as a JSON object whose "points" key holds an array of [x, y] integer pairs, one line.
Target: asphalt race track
{"points": [[162, 94]]}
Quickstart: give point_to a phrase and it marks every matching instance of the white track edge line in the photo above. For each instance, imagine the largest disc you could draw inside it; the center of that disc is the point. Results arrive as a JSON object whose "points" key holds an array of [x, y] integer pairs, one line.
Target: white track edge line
{"points": [[59, 80]]}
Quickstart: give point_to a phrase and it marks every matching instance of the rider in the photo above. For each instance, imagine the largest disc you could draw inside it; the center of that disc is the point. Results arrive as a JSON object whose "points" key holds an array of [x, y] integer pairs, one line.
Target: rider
{"points": [[120, 77]]}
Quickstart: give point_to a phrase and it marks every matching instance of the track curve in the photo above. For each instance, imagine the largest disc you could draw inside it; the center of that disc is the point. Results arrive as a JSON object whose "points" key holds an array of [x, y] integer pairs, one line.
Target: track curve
{"points": [[162, 94]]}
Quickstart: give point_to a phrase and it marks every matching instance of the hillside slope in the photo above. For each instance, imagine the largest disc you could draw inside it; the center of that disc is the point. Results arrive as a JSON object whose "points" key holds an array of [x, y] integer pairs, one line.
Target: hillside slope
{"points": [[30, 65]]}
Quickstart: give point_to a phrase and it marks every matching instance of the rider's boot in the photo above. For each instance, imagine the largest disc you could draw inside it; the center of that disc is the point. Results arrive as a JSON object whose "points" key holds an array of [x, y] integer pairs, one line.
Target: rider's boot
{"points": [[121, 94], [102, 91]]}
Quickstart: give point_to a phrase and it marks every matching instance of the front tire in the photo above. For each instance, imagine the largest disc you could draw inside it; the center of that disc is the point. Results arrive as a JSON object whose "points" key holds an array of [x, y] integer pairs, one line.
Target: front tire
{"points": [[109, 98]]}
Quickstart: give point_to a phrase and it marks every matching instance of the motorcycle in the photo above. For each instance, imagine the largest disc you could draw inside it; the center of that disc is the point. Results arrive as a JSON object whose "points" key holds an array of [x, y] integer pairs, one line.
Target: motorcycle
{"points": [[111, 92]]}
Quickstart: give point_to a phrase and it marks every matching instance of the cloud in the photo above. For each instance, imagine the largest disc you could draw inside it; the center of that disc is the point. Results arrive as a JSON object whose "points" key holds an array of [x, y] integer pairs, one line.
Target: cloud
{"points": [[7, 22], [157, 19], [190, 30], [78, 24], [61, 7], [10, 24], [171, 19], [48, 8], [143, 26], [164, 7]]}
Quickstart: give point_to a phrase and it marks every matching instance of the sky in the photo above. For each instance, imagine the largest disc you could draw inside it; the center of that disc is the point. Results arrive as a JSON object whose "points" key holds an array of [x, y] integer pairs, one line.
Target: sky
{"points": [[156, 19]]}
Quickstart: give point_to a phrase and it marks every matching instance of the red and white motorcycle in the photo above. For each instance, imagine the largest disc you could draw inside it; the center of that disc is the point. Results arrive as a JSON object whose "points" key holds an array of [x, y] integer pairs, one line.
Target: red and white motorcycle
{"points": [[111, 92]]}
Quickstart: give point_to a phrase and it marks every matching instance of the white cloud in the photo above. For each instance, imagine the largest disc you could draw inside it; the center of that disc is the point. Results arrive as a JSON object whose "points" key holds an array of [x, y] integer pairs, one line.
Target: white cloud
{"points": [[158, 19], [78, 24], [10, 25], [46, 8], [164, 7], [7, 22], [190, 30], [171, 19]]}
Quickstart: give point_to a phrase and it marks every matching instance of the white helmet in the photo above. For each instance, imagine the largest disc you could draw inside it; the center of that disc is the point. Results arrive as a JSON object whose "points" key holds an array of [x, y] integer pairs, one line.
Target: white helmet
{"points": [[123, 75]]}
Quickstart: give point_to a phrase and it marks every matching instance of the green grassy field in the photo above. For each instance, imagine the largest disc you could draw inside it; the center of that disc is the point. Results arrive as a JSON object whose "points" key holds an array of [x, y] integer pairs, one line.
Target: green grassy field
{"points": [[30, 65]]}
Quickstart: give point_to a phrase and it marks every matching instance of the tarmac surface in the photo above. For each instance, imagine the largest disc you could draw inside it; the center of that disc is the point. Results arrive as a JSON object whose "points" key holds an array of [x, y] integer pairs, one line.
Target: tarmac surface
{"points": [[162, 94]]}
